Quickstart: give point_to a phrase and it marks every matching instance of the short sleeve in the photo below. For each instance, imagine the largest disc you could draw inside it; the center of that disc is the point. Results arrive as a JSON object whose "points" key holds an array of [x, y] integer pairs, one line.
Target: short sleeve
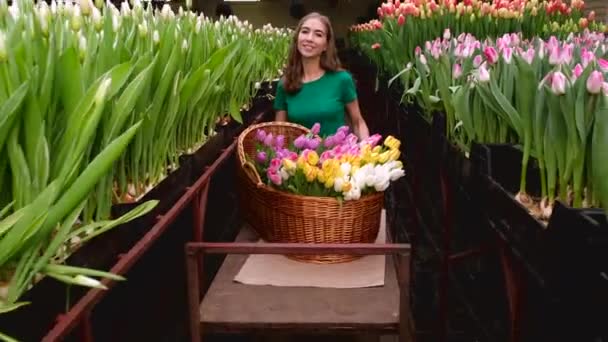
{"points": [[349, 91], [280, 101]]}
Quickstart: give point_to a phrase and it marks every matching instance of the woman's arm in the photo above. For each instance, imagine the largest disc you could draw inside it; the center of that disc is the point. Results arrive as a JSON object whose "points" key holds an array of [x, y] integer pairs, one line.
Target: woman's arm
{"points": [[280, 115], [359, 125]]}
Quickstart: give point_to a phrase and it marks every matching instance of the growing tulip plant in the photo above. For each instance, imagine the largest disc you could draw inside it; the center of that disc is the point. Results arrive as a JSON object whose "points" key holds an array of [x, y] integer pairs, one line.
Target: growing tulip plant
{"points": [[338, 166], [96, 105], [391, 40], [549, 96]]}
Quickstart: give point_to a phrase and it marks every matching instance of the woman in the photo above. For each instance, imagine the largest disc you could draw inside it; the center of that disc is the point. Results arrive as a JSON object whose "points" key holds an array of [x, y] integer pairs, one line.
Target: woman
{"points": [[314, 87]]}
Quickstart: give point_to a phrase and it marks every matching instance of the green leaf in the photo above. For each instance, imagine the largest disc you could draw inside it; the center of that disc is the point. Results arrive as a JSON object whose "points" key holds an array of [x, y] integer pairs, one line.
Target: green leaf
{"points": [[599, 151], [4, 308], [9, 110]]}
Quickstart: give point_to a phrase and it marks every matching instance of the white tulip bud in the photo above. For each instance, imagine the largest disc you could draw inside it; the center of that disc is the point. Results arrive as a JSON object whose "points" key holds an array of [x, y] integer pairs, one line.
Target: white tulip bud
{"points": [[97, 20], [115, 23], [100, 95], [155, 37], [125, 10], [99, 4], [14, 11], [197, 27], [180, 11], [82, 46], [53, 7], [143, 29], [165, 11], [76, 22], [85, 7], [89, 282]]}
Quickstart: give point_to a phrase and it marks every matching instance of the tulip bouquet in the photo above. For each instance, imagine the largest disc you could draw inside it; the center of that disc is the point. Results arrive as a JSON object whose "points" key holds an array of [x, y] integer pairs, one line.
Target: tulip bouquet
{"points": [[547, 95], [338, 166], [404, 25]]}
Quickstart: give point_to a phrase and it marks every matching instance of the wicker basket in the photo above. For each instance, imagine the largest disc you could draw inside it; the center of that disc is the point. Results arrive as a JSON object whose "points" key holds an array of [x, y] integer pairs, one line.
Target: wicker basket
{"points": [[279, 216]]}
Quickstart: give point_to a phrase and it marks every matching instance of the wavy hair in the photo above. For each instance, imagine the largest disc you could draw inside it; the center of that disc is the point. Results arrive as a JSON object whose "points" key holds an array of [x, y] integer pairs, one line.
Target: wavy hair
{"points": [[293, 72]]}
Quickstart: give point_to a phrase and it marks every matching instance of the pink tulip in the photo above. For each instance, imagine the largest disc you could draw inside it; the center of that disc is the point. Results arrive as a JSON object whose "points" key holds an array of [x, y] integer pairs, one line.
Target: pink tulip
{"points": [[491, 54], [554, 56], [423, 59], [528, 56], [595, 82], [586, 57], [456, 71], [275, 177], [376, 46], [275, 163], [329, 142], [603, 64], [484, 74], [565, 56], [417, 50], [477, 61], [558, 83], [578, 70], [316, 128], [605, 88], [447, 34], [401, 20], [507, 54]]}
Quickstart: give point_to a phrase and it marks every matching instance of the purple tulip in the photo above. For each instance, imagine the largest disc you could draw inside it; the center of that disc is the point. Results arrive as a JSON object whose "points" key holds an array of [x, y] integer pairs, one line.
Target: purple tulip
{"points": [[261, 157], [300, 142], [339, 137], [260, 135], [280, 141], [313, 143], [268, 140], [329, 141], [316, 128], [351, 139], [344, 129]]}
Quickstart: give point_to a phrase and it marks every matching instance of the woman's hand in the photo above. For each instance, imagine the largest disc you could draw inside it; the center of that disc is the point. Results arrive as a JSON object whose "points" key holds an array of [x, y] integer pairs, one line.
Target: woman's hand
{"points": [[359, 125]]}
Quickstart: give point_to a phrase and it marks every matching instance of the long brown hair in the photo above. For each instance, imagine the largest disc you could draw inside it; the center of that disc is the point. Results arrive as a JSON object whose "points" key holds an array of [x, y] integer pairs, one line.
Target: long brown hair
{"points": [[292, 78]]}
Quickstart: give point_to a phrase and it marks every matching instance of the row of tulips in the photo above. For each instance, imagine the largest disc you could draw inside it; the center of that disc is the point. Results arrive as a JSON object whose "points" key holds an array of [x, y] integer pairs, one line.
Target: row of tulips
{"points": [[402, 26], [549, 96], [96, 105]]}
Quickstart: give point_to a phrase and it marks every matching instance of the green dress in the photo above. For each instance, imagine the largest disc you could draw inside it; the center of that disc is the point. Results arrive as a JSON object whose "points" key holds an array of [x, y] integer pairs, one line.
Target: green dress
{"points": [[321, 101]]}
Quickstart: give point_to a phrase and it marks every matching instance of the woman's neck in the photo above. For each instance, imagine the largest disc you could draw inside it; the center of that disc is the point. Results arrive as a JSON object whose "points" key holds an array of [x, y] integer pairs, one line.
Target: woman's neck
{"points": [[312, 69]]}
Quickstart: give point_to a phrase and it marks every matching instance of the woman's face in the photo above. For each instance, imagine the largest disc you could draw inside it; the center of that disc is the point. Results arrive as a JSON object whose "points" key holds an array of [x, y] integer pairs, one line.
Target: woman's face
{"points": [[312, 39]]}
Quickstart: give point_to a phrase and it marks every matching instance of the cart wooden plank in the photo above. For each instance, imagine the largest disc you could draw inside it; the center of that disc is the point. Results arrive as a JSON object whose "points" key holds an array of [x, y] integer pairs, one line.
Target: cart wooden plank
{"points": [[231, 306]]}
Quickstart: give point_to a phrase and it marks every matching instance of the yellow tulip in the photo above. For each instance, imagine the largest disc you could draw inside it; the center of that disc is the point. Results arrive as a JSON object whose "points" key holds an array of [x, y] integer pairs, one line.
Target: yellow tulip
{"points": [[383, 157], [346, 187], [377, 149], [392, 143], [313, 158], [394, 154], [289, 165]]}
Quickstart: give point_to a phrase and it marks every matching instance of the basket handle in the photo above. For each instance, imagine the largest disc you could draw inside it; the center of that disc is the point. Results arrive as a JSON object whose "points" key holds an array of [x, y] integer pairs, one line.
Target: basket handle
{"points": [[252, 173]]}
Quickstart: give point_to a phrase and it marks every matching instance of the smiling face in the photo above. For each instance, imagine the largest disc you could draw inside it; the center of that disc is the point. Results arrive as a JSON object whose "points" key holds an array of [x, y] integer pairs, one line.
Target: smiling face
{"points": [[312, 39]]}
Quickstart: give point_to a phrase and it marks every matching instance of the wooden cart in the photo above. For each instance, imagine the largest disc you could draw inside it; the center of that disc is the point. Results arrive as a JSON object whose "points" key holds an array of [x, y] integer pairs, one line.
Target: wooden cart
{"points": [[233, 307]]}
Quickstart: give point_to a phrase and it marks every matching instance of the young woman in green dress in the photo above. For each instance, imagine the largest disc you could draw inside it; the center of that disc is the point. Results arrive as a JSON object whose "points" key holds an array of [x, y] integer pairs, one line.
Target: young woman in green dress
{"points": [[314, 87]]}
